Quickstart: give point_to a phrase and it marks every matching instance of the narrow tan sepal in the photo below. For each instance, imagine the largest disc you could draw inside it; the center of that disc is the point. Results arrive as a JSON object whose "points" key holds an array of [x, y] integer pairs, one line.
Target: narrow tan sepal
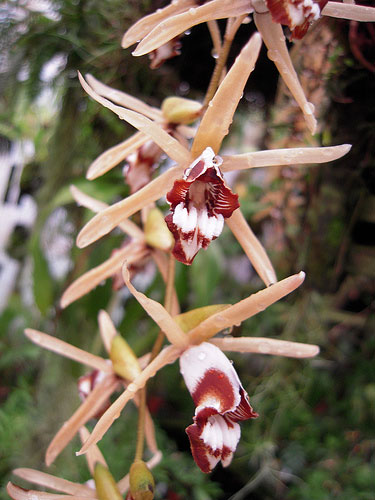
{"points": [[179, 23], [113, 156], [108, 219], [262, 345], [18, 493], [274, 39], [158, 313], [53, 482], [246, 308], [360, 13], [69, 351], [252, 247], [90, 407], [219, 115], [280, 157], [166, 356]]}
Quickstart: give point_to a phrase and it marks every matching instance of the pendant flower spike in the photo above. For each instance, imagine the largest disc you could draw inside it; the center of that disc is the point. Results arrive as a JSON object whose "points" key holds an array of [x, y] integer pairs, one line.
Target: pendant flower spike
{"points": [[212, 129], [157, 29], [221, 402]]}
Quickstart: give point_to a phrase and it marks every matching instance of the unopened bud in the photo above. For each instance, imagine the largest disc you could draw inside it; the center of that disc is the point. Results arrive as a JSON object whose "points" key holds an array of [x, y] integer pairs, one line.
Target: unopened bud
{"points": [[189, 320], [142, 484], [180, 110], [124, 361], [105, 485], [157, 234]]}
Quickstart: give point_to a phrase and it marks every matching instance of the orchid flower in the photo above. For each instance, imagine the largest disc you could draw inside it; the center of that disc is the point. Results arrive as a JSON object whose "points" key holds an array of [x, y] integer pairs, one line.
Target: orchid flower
{"points": [[140, 153], [71, 490], [216, 390], [158, 28], [104, 385], [199, 161]]}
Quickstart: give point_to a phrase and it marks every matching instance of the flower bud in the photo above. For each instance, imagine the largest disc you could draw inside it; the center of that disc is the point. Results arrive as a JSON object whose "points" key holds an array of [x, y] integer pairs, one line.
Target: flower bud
{"points": [[106, 487], [142, 484], [189, 320], [180, 110], [157, 234], [124, 361]]}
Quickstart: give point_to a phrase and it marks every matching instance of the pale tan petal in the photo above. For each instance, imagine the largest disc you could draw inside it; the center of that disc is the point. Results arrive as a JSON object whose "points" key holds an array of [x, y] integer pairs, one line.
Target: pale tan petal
{"points": [[113, 156], [133, 252], [167, 143], [246, 308], [123, 484], [150, 433], [145, 25], [107, 329], [108, 219], [69, 351], [123, 99], [262, 345], [274, 39], [88, 409], [162, 318], [219, 115], [349, 11], [252, 247], [279, 157], [161, 261], [166, 356], [96, 206], [53, 482], [175, 25], [94, 455], [18, 493]]}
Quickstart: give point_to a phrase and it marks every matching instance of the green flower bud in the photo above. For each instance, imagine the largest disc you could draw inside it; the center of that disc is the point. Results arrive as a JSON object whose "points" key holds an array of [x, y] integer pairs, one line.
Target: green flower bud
{"points": [[193, 318], [157, 234], [106, 487], [124, 361], [142, 484], [180, 110]]}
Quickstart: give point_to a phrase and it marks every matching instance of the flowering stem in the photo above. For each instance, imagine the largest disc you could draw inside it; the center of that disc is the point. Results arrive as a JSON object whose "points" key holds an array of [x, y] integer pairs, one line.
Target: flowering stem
{"points": [[141, 424], [231, 30]]}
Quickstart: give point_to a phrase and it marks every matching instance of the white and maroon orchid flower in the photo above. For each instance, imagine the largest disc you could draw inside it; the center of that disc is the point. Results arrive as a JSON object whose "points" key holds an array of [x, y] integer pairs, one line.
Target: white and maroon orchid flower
{"points": [[220, 401], [200, 202]]}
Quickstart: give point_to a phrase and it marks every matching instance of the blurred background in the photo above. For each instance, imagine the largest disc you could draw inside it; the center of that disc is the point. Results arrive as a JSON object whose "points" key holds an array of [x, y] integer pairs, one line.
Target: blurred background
{"points": [[315, 437]]}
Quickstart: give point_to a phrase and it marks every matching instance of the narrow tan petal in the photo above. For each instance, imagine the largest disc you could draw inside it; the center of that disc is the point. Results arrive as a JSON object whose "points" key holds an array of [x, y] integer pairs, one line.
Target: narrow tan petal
{"points": [[18, 493], [113, 156], [142, 27], [252, 247], [124, 99], [88, 409], [166, 356], [69, 351], [161, 261], [175, 25], [108, 219], [219, 115], [162, 318], [97, 206], [246, 308], [150, 434], [274, 39], [170, 145], [123, 484], [133, 252], [53, 482], [107, 329], [93, 455], [262, 345], [347, 11], [279, 157]]}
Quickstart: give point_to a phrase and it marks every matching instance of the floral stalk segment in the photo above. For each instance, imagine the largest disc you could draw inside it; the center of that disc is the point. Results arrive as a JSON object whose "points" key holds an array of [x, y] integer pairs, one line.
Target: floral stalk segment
{"points": [[221, 402], [200, 202]]}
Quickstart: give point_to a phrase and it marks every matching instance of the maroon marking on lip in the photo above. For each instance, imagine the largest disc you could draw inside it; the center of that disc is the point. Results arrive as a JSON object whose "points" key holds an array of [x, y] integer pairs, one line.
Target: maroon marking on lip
{"points": [[215, 384]]}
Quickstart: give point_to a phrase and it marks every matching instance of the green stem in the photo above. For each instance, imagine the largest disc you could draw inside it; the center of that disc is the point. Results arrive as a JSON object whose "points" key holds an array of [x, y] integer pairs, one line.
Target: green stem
{"points": [[141, 424]]}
